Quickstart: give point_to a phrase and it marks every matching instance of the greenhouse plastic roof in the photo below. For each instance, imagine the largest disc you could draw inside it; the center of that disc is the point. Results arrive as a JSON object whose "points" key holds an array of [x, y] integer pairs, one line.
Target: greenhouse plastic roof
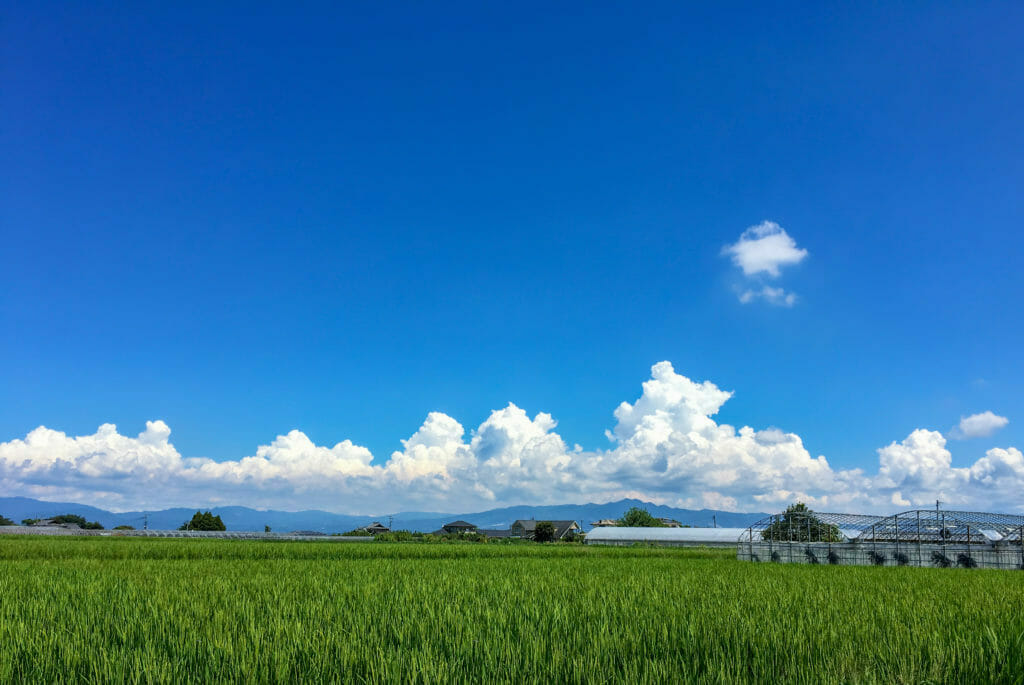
{"points": [[698, 535]]}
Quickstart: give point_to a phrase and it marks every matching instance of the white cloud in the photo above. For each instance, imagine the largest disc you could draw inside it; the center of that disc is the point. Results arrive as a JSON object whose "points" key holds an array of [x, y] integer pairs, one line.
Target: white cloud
{"points": [[666, 447], [919, 470], [978, 426], [764, 248], [776, 296]]}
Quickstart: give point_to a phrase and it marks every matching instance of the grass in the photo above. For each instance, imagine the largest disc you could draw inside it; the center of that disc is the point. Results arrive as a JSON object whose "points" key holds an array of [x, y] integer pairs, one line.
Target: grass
{"points": [[131, 610]]}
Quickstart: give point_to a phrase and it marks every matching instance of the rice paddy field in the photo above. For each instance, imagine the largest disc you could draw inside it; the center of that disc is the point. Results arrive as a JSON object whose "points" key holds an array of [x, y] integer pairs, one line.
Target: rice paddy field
{"points": [[144, 610]]}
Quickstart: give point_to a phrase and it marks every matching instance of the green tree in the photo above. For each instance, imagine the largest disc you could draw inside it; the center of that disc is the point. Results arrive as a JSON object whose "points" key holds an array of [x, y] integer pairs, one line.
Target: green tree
{"points": [[266, 529], [544, 532], [799, 524], [29, 522], [124, 527], [639, 518], [78, 521], [204, 521], [4, 521], [70, 518]]}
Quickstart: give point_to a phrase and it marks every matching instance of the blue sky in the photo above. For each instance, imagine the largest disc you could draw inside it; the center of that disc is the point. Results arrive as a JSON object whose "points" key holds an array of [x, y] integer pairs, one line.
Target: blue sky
{"points": [[340, 219]]}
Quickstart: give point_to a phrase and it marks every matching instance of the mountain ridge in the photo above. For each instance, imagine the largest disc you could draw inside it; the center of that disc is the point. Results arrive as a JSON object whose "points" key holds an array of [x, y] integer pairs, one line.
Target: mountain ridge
{"points": [[248, 519]]}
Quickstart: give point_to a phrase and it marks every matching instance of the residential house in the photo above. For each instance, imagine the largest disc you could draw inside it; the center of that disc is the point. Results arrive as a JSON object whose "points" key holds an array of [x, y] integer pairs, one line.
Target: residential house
{"points": [[527, 528], [376, 527], [458, 527]]}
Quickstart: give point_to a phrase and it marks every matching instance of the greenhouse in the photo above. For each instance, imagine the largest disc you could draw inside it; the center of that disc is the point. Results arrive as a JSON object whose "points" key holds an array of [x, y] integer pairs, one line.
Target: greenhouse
{"points": [[666, 537], [923, 537]]}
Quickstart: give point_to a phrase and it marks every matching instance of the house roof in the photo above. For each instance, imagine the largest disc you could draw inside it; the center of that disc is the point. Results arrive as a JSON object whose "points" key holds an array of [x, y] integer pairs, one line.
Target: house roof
{"points": [[459, 524]]}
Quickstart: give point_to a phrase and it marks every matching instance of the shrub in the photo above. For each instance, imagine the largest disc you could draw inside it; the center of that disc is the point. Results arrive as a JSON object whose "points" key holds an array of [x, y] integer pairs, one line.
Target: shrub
{"points": [[941, 560], [395, 536], [877, 558], [573, 536], [4, 521], [464, 537], [901, 558], [125, 527], [833, 557], [966, 561]]}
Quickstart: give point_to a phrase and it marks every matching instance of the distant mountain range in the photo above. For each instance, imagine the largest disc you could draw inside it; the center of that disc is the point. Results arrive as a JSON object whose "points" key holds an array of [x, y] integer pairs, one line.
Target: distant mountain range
{"points": [[244, 518]]}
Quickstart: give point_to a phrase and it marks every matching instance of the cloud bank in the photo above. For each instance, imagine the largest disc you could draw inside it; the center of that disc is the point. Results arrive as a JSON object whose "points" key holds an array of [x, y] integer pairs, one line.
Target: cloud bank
{"points": [[665, 447]]}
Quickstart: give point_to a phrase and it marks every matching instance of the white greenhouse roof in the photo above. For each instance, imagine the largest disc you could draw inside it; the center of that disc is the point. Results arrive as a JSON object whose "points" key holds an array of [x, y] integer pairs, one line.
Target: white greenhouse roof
{"points": [[615, 533]]}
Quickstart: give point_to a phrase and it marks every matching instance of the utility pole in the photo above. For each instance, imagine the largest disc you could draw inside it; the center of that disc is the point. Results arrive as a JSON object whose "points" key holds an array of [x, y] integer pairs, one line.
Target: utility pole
{"points": [[391, 520], [714, 521]]}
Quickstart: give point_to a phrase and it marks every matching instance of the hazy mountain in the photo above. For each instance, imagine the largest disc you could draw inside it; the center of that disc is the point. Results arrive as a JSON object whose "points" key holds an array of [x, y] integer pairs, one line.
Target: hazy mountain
{"points": [[244, 518]]}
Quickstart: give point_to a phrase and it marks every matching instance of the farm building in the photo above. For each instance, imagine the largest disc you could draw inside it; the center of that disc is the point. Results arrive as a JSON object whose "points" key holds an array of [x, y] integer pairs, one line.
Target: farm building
{"points": [[667, 537]]}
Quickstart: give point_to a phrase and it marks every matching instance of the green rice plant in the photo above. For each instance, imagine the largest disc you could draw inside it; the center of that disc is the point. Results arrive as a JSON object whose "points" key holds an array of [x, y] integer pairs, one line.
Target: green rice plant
{"points": [[101, 610]]}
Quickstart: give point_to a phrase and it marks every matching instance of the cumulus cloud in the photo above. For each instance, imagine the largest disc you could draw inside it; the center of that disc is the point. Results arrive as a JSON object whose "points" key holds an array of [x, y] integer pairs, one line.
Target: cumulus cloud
{"points": [[918, 470], [978, 426], [764, 249], [776, 296], [666, 447]]}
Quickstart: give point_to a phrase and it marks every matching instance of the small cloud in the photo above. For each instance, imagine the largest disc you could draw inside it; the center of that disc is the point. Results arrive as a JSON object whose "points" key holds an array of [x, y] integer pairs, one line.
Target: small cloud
{"points": [[978, 426], [764, 248], [776, 296], [898, 499]]}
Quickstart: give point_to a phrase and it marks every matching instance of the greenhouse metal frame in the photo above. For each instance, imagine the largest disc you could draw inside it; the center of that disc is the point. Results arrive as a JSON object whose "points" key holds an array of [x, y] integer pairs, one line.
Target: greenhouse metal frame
{"points": [[920, 537]]}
